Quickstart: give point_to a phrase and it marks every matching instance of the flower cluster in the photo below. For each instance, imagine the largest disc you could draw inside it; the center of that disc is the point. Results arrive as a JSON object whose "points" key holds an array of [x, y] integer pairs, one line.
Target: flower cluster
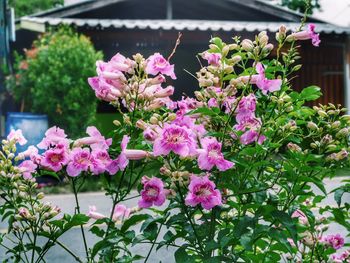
{"points": [[127, 81]]}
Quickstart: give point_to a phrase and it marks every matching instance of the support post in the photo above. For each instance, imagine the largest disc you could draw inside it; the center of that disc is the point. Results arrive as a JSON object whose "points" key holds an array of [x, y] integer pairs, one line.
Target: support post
{"points": [[347, 73]]}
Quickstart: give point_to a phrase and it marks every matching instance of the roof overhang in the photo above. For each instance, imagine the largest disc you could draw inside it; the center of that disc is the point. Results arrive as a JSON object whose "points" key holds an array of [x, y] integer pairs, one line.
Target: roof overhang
{"points": [[39, 24]]}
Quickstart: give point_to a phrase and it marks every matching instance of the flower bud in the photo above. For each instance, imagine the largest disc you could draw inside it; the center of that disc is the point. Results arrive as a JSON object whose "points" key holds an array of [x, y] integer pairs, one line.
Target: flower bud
{"points": [[312, 126], [116, 123], [141, 124], [198, 95], [247, 45], [267, 48], [322, 113], [233, 46], [225, 50], [342, 133], [172, 116], [153, 120], [40, 195], [336, 124]]}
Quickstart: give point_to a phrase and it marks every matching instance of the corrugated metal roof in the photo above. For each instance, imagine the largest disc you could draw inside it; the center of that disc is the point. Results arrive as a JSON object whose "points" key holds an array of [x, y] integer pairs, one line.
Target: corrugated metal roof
{"points": [[191, 25]]}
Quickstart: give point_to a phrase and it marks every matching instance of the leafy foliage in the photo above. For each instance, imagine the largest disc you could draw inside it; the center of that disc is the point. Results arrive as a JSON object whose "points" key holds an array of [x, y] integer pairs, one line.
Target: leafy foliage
{"points": [[52, 79], [25, 7]]}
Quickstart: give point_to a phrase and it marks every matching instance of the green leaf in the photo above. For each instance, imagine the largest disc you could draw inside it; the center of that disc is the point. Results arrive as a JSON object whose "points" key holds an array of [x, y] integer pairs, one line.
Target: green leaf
{"points": [[133, 221], [181, 256], [287, 222], [310, 93]]}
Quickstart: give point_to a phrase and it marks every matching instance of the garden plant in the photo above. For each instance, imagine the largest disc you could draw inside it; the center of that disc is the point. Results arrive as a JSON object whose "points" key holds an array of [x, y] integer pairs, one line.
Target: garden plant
{"points": [[234, 174], [57, 67]]}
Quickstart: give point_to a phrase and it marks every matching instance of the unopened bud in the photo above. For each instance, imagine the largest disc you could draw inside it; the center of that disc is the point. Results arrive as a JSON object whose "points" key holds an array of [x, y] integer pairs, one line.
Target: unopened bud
{"points": [[40, 195], [322, 113], [153, 120], [116, 123], [247, 45], [335, 124], [312, 126]]}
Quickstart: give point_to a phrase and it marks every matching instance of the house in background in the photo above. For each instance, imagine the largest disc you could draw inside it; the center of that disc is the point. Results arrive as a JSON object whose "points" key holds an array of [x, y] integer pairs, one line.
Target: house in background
{"points": [[131, 26]]}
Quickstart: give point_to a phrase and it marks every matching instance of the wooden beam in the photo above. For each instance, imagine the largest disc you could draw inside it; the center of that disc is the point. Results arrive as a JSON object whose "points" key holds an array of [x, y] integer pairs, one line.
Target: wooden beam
{"points": [[76, 9], [33, 26]]}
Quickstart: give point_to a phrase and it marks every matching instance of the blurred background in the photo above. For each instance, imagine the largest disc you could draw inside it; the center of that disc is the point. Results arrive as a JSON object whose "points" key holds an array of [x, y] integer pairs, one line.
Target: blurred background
{"points": [[48, 49]]}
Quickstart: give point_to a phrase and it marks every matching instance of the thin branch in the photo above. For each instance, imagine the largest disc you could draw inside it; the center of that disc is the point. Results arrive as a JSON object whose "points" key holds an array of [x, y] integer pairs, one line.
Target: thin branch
{"points": [[176, 45]]}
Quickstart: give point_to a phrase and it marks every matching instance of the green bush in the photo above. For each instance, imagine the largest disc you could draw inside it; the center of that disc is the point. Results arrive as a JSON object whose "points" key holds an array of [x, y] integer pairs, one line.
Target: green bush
{"points": [[57, 75], [27, 7]]}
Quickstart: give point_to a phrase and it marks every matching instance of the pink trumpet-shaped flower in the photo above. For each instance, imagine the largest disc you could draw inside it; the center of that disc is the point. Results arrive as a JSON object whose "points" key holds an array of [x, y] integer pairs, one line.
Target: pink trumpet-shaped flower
{"points": [[264, 84], [27, 168], [54, 136], [17, 136], [308, 34], [202, 191], [121, 212], [158, 64], [54, 159], [30, 152], [211, 156], [212, 58], [335, 241], [93, 214], [126, 155], [153, 192], [96, 140], [246, 108], [80, 160], [174, 138]]}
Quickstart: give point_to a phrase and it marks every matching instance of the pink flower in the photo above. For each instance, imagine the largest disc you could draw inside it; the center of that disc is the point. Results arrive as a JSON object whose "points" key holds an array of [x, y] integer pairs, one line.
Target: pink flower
{"points": [[101, 162], [79, 161], [27, 168], [53, 137], [211, 156], [202, 191], [30, 152], [264, 84], [17, 136], [252, 136], [23, 212], [174, 138], [104, 90], [153, 192], [308, 34], [246, 107], [228, 103], [93, 214], [121, 212], [212, 102], [96, 140], [301, 216], [149, 134], [335, 241], [212, 58], [55, 158], [158, 64]]}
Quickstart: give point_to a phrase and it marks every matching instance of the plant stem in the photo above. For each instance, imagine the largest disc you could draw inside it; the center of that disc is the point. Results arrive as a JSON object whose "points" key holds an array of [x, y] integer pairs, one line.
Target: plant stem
{"points": [[69, 251], [190, 220], [78, 210], [153, 243]]}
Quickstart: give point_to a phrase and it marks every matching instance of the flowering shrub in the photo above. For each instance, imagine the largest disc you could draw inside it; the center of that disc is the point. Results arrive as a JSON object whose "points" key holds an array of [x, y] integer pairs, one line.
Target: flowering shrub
{"points": [[56, 67], [229, 176]]}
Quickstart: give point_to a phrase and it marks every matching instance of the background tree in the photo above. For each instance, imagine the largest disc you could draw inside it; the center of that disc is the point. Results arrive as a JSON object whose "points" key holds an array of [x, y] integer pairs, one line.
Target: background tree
{"points": [[27, 7], [301, 5]]}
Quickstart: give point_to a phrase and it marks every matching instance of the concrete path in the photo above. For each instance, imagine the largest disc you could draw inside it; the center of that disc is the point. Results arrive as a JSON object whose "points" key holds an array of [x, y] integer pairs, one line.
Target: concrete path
{"points": [[73, 238]]}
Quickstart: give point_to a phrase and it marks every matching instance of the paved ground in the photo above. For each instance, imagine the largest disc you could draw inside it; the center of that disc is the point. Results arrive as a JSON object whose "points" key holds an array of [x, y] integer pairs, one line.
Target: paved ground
{"points": [[73, 238]]}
